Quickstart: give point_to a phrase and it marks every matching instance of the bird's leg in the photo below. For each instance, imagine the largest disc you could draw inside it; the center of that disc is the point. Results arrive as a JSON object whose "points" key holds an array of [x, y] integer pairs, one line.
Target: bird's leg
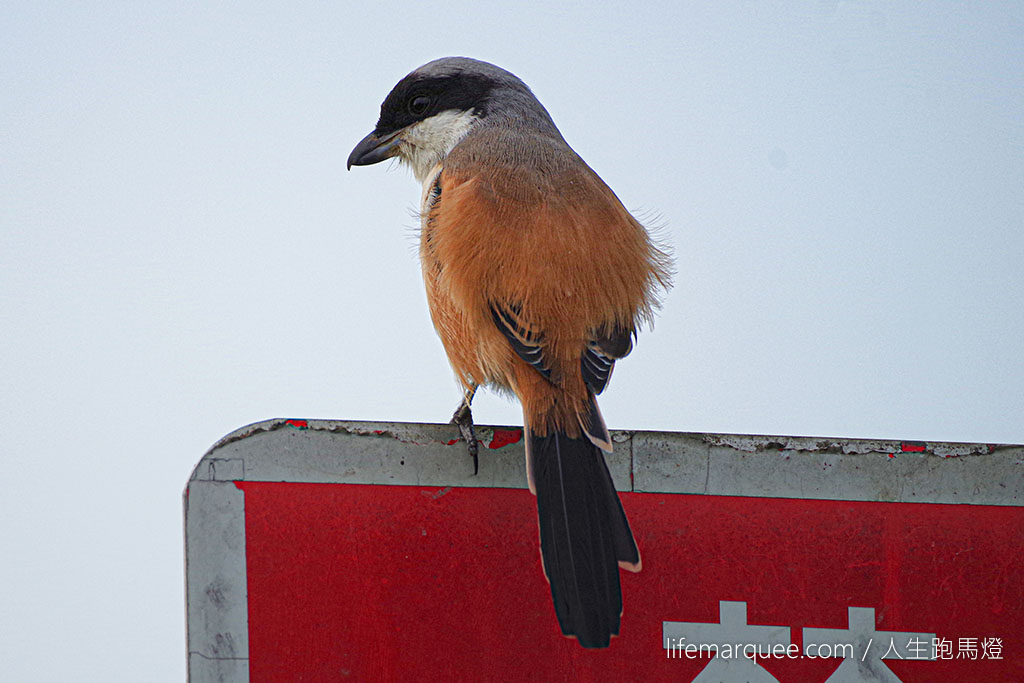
{"points": [[463, 418]]}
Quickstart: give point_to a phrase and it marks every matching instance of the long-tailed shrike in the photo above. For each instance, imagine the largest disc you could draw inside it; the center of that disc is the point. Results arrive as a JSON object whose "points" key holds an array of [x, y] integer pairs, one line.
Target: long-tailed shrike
{"points": [[537, 279]]}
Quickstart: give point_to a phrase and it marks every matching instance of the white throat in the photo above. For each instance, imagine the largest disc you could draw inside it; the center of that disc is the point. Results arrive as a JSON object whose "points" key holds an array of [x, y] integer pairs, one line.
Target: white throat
{"points": [[425, 144]]}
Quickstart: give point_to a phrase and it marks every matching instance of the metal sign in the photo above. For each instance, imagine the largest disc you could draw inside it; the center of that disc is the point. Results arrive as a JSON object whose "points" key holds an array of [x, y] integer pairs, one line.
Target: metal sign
{"points": [[323, 551]]}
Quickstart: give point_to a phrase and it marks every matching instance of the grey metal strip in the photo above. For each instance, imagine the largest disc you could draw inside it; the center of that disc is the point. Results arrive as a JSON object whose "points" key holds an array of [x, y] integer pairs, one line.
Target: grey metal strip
{"points": [[652, 462], [216, 588], [828, 469]]}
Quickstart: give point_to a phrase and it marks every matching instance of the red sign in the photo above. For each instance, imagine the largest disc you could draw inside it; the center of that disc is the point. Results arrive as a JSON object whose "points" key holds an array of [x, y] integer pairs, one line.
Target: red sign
{"points": [[406, 583]]}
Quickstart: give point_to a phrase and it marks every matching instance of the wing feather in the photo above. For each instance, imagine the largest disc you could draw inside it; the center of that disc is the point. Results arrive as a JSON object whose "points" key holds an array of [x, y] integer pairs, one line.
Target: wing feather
{"points": [[527, 342], [598, 358]]}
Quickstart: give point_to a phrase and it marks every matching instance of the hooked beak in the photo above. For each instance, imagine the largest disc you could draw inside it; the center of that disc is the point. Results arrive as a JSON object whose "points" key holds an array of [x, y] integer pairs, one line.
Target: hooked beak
{"points": [[373, 149]]}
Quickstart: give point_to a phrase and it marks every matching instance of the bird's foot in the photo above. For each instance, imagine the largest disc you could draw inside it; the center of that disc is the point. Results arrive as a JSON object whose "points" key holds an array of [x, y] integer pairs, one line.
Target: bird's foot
{"points": [[463, 418]]}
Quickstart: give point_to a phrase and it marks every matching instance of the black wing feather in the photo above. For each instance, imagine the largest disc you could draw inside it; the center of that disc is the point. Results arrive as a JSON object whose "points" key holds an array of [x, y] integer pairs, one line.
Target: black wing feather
{"points": [[527, 343], [598, 359]]}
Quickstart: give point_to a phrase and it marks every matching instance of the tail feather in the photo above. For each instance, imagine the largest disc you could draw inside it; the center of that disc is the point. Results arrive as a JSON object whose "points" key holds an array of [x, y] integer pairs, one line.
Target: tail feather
{"points": [[592, 423], [584, 535], [626, 552]]}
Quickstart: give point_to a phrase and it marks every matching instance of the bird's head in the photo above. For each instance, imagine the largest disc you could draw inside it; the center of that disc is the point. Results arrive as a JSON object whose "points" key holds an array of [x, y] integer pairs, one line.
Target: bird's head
{"points": [[433, 108]]}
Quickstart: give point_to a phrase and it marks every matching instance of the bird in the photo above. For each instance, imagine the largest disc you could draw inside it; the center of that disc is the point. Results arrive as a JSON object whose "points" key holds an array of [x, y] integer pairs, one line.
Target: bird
{"points": [[537, 281]]}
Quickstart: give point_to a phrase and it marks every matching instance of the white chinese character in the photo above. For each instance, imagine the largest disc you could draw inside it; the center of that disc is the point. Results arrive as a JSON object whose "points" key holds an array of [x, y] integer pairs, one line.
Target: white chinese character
{"points": [[992, 648], [968, 648], [854, 644], [943, 648], [732, 640], [918, 648], [892, 651]]}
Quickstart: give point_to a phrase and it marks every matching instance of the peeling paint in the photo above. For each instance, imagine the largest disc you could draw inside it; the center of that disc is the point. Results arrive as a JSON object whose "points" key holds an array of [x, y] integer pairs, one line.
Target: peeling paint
{"points": [[397, 431], [755, 444], [504, 437], [437, 494], [499, 437]]}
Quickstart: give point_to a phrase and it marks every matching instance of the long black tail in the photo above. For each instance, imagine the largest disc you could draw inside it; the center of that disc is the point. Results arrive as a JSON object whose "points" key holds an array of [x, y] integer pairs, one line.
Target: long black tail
{"points": [[584, 535]]}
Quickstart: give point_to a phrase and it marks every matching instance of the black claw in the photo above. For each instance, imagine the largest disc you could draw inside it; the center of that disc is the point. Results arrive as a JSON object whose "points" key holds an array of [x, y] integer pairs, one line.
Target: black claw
{"points": [[463, 418]]}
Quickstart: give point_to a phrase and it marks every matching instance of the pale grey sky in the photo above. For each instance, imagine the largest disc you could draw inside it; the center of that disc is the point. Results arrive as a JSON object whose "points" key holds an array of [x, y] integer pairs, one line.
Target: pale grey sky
{"points": [[182, 251]]}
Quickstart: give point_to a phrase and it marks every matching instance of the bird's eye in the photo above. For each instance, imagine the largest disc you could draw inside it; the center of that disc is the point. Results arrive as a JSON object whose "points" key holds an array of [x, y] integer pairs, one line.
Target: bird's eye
{"points": [[418, 104]]}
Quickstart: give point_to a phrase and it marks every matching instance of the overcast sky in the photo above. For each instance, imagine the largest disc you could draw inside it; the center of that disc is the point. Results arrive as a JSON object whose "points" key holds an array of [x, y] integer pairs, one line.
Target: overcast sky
{"points": [[183, 253]]}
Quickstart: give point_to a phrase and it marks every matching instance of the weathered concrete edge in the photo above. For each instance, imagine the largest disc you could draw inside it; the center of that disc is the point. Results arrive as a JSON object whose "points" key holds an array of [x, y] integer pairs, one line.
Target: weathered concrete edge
{"points": [[843, 469], [215, 583], [644, 461]]}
